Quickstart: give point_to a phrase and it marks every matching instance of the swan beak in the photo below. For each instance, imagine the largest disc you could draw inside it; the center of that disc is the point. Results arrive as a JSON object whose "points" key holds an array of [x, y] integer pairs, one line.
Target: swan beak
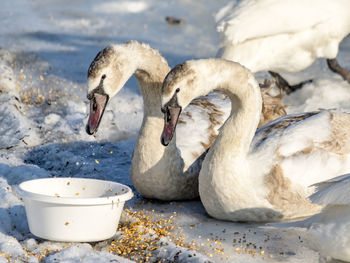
{"points": [[171, 116], [98, 103]]}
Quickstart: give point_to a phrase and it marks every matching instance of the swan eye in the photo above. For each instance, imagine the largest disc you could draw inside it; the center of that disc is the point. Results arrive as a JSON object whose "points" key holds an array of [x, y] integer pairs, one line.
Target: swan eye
{"points": [[103, 76], [177, 90]]}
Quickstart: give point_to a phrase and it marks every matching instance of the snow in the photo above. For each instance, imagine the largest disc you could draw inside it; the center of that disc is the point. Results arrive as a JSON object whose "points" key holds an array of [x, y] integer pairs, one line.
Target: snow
{"points": [[83, 253], [46, 49], [121, 7]]}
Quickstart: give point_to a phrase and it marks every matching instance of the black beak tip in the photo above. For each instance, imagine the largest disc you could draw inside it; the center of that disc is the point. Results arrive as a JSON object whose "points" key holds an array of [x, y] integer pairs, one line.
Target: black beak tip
{"points": [[164, 142], [88, 131]]}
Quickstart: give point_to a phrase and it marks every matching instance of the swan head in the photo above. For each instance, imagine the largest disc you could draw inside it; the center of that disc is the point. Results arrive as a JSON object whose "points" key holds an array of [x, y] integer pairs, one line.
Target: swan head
{"points": [[107, 74], [180, 87]]}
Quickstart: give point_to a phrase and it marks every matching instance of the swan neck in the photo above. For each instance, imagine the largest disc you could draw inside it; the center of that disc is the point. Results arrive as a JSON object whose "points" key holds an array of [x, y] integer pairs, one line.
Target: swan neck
{"points": [[150, 72], [246, 103], [150, 69]]}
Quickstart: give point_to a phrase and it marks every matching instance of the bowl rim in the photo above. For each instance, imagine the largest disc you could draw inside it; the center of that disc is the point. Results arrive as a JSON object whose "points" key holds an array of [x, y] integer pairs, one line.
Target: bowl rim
{"points": [[114, 199]]}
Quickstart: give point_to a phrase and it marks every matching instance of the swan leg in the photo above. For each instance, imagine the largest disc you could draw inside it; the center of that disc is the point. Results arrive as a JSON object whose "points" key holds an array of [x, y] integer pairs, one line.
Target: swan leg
{"points": [[335, 67], [283, 84]]}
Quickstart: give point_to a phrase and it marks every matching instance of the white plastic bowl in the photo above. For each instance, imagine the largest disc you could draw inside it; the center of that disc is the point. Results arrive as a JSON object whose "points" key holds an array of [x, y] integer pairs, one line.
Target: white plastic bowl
{"points": [[73, 209]]}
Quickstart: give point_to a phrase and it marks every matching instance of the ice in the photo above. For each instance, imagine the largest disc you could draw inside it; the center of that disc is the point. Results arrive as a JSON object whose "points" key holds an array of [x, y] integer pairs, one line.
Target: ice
{"points": [[83, 253], [46, 49]]}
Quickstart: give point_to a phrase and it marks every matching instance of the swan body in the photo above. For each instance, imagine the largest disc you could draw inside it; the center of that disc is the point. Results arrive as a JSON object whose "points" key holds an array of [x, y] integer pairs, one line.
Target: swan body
{"points": [[328, 231], [282, 35], [156, 172], [265, 174]]}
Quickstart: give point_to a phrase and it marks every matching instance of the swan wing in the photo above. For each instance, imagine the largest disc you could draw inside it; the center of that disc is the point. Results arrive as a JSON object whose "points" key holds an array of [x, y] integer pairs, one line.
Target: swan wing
{"points": [[276, 130], [333, 192], [251, 19], [309, 147], [302, 133], [322, 185], [199, 125]]}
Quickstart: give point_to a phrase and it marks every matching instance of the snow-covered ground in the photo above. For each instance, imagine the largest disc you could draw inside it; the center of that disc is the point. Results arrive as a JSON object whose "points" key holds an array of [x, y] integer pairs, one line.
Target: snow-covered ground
{"points": [[46, 49]]}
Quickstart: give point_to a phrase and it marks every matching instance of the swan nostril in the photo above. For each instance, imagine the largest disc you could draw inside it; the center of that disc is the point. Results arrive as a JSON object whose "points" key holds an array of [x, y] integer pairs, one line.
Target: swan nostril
{"points": [[94, 105], [168, 116]]}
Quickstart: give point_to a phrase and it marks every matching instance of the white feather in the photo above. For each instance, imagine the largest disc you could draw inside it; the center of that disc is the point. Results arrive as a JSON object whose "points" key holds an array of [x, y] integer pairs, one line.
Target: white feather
{"points": [[157, 172], [265, 174], [282, 35], [333, 192]]}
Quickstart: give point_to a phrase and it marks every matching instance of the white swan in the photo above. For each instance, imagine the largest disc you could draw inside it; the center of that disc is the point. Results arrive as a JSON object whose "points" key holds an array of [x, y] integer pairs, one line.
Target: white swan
{"points": [[156, 172], [283, 35], [150, 171], [329, 231], [261, 177]]}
